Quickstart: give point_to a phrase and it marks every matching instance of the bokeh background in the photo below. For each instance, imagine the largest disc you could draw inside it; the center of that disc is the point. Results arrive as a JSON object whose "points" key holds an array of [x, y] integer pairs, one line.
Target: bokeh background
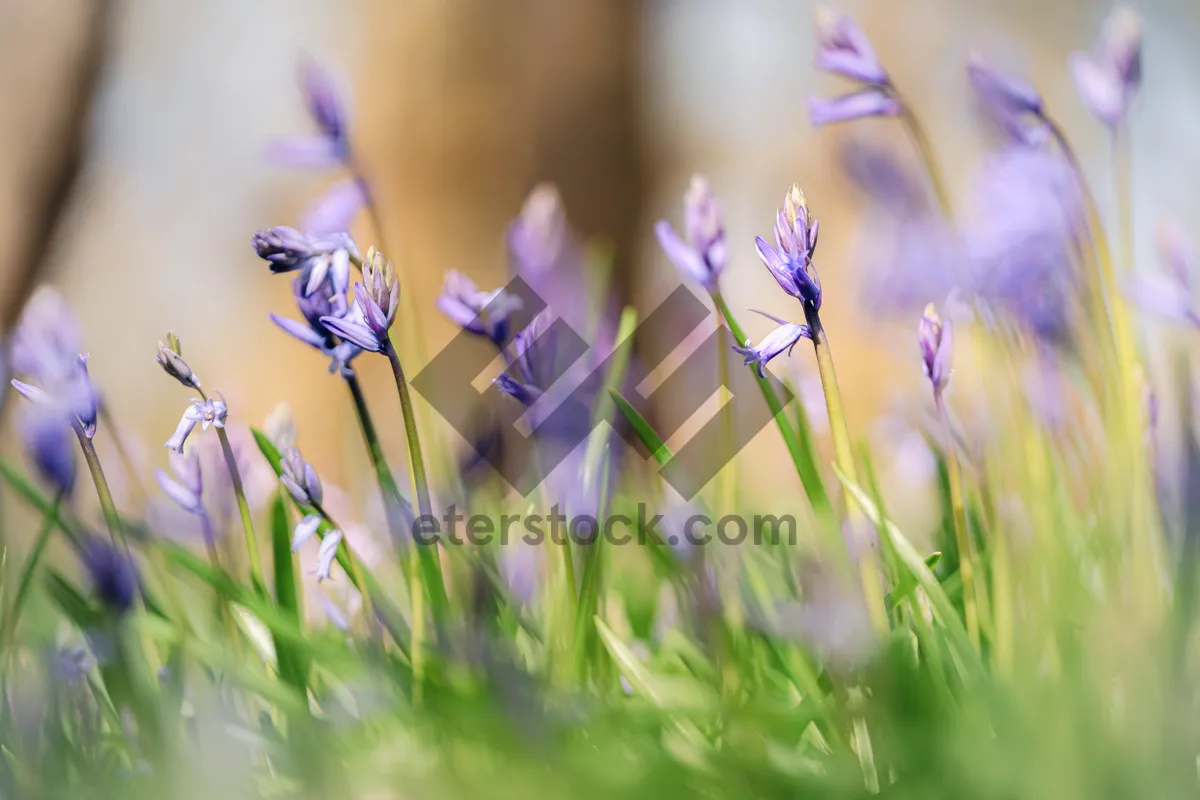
{"points": [[132, 171]]}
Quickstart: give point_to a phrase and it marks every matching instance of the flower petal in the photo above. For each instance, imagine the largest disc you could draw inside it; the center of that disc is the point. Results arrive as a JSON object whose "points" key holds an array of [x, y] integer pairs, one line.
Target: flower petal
{"points": [[305, 530], [681, 254], [857, 105]]}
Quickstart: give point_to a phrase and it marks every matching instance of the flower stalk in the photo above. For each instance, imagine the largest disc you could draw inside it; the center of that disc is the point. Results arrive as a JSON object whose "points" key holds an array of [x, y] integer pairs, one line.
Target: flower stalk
{"points": [[111, 518], [235, 476]]}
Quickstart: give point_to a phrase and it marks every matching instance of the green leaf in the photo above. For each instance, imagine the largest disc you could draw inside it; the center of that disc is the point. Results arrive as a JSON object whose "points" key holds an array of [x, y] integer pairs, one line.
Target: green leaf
{"points": [[31, 494], [25, 581], [71, 601], [643, 429], [943, 608], [806, 464], [268, 449], [677, 694], [287, 598]]}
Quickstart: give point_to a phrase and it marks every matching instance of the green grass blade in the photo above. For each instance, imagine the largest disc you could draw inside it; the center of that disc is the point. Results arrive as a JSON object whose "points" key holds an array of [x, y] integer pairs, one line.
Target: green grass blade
{"points": [[25, 581], [943, 608], [645, 432], [291, 663]]}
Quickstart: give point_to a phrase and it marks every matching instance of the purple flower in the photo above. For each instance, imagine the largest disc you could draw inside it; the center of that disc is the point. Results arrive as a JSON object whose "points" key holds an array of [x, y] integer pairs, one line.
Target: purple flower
{"points": [[481, 313], [540, 238], [300, 479], [114, 579], [1009, 101], [782, 338], [212, 411], [186, 487], [936, 340], [534, 362], [326, 301], [1022, 240], [171, 360], [1169, 295], [323, 100], [848, 107], [376, 300], [327, 554], [305, 530], [334, 211], [288, 250], [703, 255], [46, 340], [1108, 78], [791, 260], [48, 446], [843, 49], [71, 396]]}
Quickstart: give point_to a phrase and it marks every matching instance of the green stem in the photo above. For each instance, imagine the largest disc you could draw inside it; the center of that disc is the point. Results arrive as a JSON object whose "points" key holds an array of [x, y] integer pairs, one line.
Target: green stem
{"points": [[962, 539], [431, 572], [9, 626], [773, 402], [925, 150], [843, 452], [393, 501], [235, 476], [109, 508]]}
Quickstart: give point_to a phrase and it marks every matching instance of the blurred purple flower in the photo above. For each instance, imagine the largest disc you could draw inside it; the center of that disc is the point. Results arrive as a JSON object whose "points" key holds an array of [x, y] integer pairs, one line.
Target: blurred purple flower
{"points": [[316, 257], [791, 260], [843, 49], [703, 255], [186, 487], [335, 210], [782, 338], [323, 100], [535, 352], [1108, 78], [848, 107], [49, 447], [1012, 103], [305, 530], [1021, 242], [327, 553], [114, 578], [1169, 295], [72, 396], [540, 238], [481, 313], [936, 340], [46, 340]]}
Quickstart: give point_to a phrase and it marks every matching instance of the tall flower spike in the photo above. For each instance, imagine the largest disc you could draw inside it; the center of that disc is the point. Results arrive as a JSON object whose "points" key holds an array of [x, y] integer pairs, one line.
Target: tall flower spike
{"points": [[702, 256], [936, 340], [48, 446], [170, 358], [1108, 78], [481, 313], [843, 49], [782, 338], [300, 479], [790, 261], [315, 257]]}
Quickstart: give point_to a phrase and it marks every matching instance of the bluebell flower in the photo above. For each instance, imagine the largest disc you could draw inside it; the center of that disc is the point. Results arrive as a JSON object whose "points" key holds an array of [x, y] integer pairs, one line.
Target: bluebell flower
{"points": [[1108, 78], [212, 411], [315, 257], [300, 479], [46, 340], [70, 395], [306, 528], [327, 554], [326, 301], [936, 341], [702, 254], [484, 314], [114, 578], [49, 447], [843, 49], [186, 487], [171, 360], [540, 238], [782, 338], [790, 261], [855, 105], [1012, 103], [325, 105], [534, 362], [376, 301], [1171, 294]]}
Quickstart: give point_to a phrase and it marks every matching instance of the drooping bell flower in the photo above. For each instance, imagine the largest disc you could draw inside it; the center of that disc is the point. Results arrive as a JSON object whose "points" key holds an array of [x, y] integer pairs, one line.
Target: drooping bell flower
{"points": [[484, 314], [1109, 77], [782, 338], [700, 255]]}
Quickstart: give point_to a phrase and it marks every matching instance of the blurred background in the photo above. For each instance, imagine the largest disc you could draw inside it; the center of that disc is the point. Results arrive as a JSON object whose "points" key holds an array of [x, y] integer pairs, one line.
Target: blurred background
{"points": [[132, 171]]}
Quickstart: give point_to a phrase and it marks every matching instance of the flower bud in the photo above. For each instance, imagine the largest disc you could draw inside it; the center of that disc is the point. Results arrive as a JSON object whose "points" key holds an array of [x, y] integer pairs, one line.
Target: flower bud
{"points": [[171, 360]]}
